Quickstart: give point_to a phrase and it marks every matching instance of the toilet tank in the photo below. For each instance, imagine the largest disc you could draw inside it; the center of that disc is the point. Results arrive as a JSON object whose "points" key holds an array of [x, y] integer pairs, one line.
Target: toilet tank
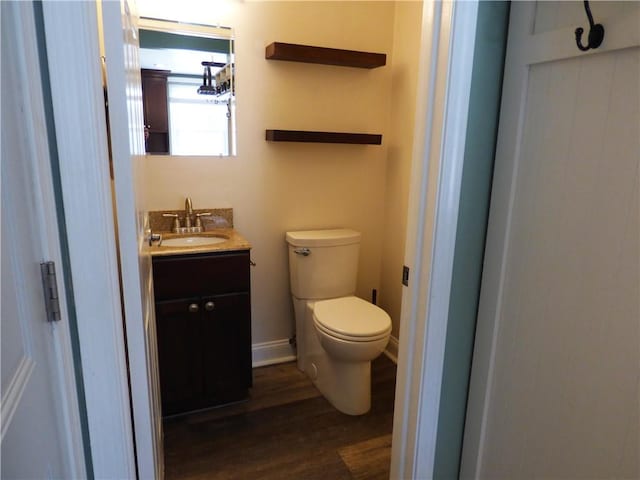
{"points": [[323, 263]]}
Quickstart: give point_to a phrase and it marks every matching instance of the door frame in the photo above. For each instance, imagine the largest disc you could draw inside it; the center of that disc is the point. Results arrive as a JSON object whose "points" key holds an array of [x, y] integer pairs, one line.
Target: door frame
{"points": [[24, 36], [444, 85], [448, 39]]}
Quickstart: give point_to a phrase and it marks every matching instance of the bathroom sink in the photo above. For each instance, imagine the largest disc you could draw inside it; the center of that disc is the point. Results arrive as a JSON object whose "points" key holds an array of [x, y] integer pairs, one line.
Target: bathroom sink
{"points": [[193, 241]]}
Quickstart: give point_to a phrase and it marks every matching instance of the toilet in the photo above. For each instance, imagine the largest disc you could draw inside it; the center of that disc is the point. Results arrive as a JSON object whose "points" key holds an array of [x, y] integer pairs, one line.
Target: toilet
{"points": [[337, 333]]}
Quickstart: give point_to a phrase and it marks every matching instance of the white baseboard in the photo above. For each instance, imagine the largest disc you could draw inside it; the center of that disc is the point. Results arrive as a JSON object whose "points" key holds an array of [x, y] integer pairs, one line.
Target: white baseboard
{"points": [[269, 353], [392, 349], [281, 351]]}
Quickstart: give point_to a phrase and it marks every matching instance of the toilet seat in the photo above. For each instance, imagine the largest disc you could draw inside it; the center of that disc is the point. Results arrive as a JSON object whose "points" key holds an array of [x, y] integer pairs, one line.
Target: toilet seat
{"points": [[352, 319], [351, 338]]}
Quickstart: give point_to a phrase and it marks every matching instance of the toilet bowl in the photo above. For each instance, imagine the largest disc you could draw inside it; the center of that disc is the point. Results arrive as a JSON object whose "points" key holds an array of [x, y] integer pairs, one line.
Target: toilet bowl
{"points": [[338, 334]]}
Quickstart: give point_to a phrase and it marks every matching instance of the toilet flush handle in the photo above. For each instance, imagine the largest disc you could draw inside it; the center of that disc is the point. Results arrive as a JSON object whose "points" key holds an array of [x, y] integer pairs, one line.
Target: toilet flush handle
{"points": [[305, 252]]}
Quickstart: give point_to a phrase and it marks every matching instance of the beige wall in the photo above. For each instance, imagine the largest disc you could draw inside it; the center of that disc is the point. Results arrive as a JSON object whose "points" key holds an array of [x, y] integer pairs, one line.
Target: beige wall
{"points": [[406, 47], [275, 187]]}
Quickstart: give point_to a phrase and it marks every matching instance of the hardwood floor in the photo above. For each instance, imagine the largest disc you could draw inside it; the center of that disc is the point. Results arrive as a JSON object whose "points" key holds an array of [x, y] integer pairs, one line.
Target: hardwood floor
{"points": [[287, 430]]}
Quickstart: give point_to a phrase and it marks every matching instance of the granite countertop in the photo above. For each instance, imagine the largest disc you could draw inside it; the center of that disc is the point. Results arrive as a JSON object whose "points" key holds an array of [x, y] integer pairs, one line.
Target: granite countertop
{"points": [[234, 241]]}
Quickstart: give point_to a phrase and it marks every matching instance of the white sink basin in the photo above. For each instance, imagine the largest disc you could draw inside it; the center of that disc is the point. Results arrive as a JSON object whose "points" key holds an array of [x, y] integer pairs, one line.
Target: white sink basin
{"points": [[192, 241]]}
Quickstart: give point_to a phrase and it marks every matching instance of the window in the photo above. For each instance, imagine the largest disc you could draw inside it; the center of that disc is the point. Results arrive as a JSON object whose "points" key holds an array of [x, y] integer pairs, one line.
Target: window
{"points": [[199, 124]]}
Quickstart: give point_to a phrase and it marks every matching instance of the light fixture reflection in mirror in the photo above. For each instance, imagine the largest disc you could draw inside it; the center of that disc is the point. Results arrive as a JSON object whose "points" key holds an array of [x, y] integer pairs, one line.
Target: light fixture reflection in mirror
{"points": [[188, 84]]}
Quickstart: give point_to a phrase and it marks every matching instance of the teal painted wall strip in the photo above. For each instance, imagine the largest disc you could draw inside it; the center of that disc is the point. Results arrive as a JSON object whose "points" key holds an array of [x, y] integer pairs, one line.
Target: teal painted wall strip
{"points": [[477, 174], [62, 229], [155, 39]]}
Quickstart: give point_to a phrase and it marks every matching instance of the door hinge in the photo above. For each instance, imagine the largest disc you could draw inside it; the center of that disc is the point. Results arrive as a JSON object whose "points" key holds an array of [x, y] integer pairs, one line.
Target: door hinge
{"points": [[50, 287]]}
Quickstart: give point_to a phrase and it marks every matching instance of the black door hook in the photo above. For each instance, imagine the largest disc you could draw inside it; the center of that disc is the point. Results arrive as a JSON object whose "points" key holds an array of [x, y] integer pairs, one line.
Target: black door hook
{"points": [[596, 32]]}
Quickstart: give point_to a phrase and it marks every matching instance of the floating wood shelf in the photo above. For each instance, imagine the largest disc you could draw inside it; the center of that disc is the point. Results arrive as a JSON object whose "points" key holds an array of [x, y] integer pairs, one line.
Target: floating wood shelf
{"points": [[323, 137], [326, 56]]}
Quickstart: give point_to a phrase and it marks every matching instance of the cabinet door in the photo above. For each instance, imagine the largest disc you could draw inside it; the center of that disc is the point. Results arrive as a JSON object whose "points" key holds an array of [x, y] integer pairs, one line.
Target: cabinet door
{"points": [[179, 325], [227, 348], [154, 90], [156, 113]]}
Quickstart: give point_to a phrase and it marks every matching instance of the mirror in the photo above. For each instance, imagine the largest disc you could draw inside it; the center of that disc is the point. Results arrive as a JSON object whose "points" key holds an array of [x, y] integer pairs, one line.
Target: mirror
{"points": [[188, 88]]}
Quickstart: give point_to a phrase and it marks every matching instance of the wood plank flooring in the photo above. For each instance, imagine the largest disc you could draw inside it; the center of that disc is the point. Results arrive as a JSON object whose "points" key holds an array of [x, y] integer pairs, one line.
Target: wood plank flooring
{"points": [[368, 460], [287, 430]]}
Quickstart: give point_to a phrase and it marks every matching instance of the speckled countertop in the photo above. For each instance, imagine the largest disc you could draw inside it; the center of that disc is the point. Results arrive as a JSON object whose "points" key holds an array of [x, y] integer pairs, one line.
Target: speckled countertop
{"points": [[234, 241]]}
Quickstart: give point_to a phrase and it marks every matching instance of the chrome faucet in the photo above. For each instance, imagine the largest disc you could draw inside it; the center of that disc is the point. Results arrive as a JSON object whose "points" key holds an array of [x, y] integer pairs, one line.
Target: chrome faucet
{"points": [[188, 212]]}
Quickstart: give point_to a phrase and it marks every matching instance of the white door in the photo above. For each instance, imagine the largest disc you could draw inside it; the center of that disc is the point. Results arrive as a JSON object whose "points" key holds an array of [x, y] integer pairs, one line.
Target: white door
{"points": [[41, 434], [555, 380], [126, 123]]}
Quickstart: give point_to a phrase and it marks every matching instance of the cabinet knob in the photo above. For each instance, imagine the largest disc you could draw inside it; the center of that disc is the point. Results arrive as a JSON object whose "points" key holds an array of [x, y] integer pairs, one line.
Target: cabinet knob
{"points": [[193, 308], [209, 306]]}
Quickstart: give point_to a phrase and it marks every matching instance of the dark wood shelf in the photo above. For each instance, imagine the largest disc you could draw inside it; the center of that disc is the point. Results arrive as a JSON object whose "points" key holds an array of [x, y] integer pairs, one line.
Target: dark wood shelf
{"points": [[323, 137], [326, 56]]}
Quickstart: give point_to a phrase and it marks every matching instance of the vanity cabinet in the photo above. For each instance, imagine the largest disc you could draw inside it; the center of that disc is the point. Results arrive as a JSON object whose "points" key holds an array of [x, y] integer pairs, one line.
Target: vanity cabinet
{"points": [[203, 319], [156, 113]]}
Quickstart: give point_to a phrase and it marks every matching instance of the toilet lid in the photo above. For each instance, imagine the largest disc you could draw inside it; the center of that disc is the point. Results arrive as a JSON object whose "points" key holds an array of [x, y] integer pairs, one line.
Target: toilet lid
{"points": [[351, 317]]}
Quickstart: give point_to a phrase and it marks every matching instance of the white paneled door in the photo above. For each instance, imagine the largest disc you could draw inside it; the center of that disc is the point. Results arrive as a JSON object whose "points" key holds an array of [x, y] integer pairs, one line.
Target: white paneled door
{"points": [[41, 435], [555, 381], [126, 124]]}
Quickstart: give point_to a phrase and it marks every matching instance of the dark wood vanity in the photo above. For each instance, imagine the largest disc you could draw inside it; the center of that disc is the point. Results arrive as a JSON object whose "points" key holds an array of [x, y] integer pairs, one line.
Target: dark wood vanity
{"points": [[203, 318]]}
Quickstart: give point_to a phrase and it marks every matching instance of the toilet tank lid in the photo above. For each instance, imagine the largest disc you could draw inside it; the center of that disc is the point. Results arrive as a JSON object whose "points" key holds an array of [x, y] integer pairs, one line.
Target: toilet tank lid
{"points": [[323, 238]]}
